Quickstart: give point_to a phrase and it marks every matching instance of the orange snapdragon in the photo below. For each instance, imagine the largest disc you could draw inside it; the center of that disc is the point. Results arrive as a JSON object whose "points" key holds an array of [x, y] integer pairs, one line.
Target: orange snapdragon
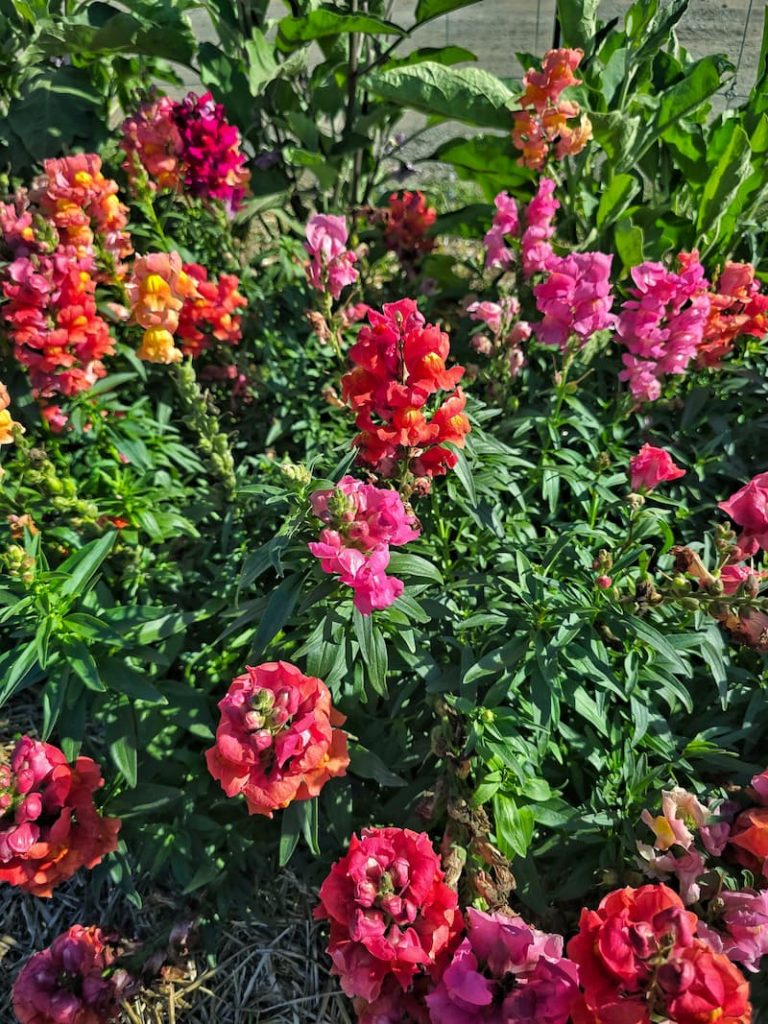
{"points": [[157, 290]]}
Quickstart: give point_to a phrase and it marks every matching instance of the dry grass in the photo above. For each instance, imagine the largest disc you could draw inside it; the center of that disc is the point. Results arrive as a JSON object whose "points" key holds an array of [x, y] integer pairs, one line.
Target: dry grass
{"points": [[269, 966]]}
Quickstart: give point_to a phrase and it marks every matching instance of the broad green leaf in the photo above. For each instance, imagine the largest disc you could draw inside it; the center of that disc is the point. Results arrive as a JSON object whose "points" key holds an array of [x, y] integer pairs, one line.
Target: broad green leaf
{"points": [[402, 564], [514, 826], [279, 608], [428, 9], [616, 197], [629, 242], [487, 160], [261, 65], [436, 54], [732, 169], [321, 24], [578, 22], [470, 95]]}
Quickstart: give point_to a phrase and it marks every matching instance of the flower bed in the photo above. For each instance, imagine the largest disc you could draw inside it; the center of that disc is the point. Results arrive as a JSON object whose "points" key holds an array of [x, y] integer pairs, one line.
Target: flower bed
{"points": [[415, 550]]}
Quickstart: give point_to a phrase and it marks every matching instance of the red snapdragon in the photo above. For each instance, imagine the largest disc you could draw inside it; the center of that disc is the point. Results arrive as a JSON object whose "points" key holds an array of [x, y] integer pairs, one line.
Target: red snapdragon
{"points": [[277, 739], [639, 959], [391, 913], [407, 221], [651, 467], [399, 372], [212, 314]]}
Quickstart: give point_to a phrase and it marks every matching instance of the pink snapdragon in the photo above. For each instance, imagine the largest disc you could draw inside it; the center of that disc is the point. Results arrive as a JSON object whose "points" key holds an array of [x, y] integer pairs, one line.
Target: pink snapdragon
{"points": [[534, 229], [651, 467], [506, 221], [746, 922], [748, 508], [575, 299], [535, 249], [331, 266], [662, 324], [505, 972], [361, 521]]}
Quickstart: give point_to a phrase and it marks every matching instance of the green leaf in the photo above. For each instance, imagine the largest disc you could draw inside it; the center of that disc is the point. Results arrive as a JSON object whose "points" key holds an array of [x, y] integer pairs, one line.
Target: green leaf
{"points": [[733, 168], [120, 734], [369, 765], [84, 564], [20, 668], [470, 95], [373, 649], [53, 113], [402, 564], [261, 66], [83, 664], [630, 242], [279, 609], [121, 678], [428, 9], [578, 22], [320, 24], [290, 830], [616, 197], [436, 54], [514, 826], [587, 708]]}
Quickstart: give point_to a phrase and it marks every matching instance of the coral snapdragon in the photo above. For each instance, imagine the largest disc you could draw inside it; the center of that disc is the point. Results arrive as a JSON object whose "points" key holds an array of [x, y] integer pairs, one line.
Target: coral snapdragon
{"points": [[738, 308], [62, 238], [546, 119], [331, 265], [360, 522], [277, 740], [71, 982], [187, 144], [399, 370], [157, 289], [391, 913], [505, 972], [662, 325], [49, 826]]}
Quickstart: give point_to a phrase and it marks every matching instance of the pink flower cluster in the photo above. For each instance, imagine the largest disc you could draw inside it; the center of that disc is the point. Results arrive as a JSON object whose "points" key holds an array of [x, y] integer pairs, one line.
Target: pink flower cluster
{"points": [[536, 225], [662, 325], [575, 299], [73, 981], [361, 521], [331, 264], [187, 143], [505, 972]]}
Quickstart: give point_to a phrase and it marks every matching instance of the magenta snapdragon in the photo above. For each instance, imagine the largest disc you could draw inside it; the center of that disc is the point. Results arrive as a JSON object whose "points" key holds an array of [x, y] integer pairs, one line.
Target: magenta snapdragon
{"points": [[476, 986], [506, 221], [575, 300], [361, 521], [662, 324]]}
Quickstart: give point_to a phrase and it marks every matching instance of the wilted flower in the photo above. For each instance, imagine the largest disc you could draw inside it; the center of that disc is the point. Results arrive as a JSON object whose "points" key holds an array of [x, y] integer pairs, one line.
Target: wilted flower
{"points": [[70, 982]]}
